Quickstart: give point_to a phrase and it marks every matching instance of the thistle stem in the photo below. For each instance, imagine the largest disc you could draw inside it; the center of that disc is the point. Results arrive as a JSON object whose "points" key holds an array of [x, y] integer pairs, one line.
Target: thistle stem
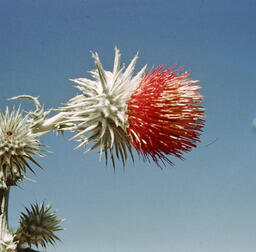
{"points": [[50, 124], [4, 198]]}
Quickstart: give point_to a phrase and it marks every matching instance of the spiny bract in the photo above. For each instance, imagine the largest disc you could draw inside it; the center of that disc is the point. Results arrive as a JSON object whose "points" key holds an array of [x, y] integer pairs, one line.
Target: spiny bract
{"points": [[100, 110]]}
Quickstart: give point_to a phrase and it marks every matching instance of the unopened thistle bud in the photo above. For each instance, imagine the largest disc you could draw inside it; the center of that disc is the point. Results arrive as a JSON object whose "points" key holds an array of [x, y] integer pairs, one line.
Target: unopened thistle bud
{"points": [[38, 226]]}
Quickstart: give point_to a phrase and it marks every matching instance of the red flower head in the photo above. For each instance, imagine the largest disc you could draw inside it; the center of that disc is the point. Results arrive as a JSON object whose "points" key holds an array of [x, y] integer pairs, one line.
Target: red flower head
{"points": [[164, 117], [158, 112]]}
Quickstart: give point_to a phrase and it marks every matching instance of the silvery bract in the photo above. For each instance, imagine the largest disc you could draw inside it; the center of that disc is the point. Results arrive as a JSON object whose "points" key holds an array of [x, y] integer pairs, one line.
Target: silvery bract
{"points": [[99, 112]]}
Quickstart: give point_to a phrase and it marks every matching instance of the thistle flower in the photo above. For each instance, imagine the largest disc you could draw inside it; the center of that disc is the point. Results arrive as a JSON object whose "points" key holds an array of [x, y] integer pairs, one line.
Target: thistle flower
{"points": [[163, 115], [17, 146], [38, 226], [156, 112]]}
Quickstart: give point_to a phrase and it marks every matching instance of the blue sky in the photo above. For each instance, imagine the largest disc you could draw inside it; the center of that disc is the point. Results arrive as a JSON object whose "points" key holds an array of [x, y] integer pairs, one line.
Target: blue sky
{"points": [[205, 203]]}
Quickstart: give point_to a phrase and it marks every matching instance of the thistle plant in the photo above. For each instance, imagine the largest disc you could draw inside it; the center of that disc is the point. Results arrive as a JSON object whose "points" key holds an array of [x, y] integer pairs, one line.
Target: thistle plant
{"points": [[155, 112], [19, 144]]}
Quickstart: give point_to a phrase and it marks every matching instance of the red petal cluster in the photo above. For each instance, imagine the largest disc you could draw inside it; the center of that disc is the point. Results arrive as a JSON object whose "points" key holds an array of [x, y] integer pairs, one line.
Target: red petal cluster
{"points": [[164, 117]]}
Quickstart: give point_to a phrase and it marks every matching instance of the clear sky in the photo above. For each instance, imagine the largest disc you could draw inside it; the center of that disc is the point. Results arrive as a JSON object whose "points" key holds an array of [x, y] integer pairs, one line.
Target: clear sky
{"points": [[203, 204]]}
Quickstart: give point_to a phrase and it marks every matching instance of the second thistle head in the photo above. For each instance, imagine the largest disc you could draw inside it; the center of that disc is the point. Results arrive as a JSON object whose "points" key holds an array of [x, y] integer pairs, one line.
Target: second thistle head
{"points": [[18, 146]]}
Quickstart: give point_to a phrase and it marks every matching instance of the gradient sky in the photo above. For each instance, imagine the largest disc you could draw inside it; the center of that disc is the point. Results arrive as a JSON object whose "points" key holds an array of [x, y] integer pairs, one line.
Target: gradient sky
{"points": [[203, 204]]}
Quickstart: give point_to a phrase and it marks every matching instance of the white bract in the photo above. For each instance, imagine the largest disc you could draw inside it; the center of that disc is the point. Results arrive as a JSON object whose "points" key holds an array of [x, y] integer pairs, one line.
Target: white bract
{"points": [[7, 244], [99, 112]]}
